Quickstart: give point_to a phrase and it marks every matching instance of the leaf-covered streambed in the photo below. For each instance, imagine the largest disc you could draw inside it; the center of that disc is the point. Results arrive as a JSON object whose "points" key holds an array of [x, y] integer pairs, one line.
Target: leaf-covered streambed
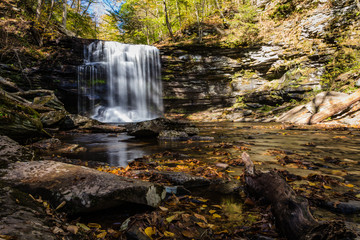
{"points": [[204, 180]]}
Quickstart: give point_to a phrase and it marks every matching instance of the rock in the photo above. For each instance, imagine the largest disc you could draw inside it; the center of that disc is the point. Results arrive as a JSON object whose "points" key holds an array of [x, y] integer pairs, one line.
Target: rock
{"points": [[173, 135], [11, 151], [82, 188], [152, 128], [302, 114], [350, 207], [185, 179], [22, 218], [18, 121], [222, 165], [55, 146], [52, 118], [50, 101]]}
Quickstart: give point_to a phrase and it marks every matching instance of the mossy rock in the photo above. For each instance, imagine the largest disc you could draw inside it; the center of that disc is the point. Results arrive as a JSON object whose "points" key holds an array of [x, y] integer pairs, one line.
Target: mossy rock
{"points": [[19, 121]]}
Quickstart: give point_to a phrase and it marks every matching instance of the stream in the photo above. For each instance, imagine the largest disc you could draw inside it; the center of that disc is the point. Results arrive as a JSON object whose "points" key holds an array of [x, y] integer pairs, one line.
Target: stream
{"points": [[301, 152]]}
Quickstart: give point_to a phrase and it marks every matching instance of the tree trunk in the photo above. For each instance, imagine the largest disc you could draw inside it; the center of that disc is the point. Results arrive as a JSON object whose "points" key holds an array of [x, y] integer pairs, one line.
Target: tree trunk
{"points": [[292, 216], [38, 9], [64, 15], [50, 11], [168, 25], [335, 108], [179, 13], [197, 13]]}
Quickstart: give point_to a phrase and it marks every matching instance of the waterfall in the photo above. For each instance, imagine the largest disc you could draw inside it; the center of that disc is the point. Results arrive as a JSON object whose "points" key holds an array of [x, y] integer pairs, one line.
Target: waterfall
{"points": [[120, 82]]}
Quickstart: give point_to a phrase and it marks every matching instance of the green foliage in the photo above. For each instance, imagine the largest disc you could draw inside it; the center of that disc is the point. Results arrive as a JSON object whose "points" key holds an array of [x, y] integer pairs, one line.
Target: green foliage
{"points": [[283, 10], [344, 61]]}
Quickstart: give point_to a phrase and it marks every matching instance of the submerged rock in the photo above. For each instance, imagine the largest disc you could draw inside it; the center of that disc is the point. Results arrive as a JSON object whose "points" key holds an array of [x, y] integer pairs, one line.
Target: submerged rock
{"points": [[82, 188], [55, 146], [153, 128]]}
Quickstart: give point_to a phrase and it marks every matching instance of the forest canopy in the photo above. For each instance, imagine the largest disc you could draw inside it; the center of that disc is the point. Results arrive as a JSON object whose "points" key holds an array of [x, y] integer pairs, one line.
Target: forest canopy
{"points": [[146, 21]]}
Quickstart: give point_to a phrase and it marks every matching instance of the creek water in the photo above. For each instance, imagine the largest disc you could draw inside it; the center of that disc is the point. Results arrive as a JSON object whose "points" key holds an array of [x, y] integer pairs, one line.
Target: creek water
{"points": [[335, 153], [318, 152]]}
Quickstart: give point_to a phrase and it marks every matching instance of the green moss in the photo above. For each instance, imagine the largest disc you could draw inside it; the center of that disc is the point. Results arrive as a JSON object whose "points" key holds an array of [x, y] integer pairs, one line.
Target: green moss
{"points": [[283, 10]]}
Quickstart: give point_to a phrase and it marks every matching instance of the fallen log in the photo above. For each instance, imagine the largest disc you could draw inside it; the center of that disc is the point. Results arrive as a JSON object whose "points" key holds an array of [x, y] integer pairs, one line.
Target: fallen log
{"points": [[293, 218]]}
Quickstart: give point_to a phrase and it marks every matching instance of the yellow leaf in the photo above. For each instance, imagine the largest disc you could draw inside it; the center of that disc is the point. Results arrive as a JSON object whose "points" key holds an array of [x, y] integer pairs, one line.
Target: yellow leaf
{"points": [[349, 185], [171, 218], [101, 235], [358, 195], [326, 187], [149, 231], [216, 215], [204, 206], [94, 225], [217, 206], [60, 205], [312, 184], [202, 200], [169, 234], [223, 231], [83, 226], [212, 211]]}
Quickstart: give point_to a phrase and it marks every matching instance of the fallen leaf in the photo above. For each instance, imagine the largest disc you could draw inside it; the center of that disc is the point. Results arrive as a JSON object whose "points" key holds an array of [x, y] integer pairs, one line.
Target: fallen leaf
{"points": [[94, 225], [217, 206], [212, 211], [349, 185], [201, 217], [358, 195], [216, 215], [60, 205], [163, 208], [171, 218], [202, 224], [169, 234], [83, 226], [188, 234], [149, 231], [101, 235], [73, 229], [326, 187]]}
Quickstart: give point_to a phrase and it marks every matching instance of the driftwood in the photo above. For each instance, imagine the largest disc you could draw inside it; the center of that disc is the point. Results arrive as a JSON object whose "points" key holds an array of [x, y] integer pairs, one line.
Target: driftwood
{"points": [[335, 108], [292, 215]]}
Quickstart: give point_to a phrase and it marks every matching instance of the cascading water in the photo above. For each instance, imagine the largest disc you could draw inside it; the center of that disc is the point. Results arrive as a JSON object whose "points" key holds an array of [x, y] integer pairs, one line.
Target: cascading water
{"points": [[120, 82]]}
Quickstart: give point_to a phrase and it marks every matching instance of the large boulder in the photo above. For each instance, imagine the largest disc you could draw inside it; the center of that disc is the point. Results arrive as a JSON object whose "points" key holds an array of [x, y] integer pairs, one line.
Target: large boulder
{"points": [[55, 146], [52, 118], [303, 114], [82, 188], [153, 128], [17, 120]]}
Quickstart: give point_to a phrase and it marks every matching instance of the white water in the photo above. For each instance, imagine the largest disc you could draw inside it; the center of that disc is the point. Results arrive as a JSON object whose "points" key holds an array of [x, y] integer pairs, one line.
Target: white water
{"points": [[120, 82]]}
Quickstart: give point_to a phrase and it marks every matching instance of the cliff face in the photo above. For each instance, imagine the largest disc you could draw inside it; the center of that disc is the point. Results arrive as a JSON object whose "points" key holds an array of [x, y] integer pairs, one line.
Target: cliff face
{"points": [[306, 47]]}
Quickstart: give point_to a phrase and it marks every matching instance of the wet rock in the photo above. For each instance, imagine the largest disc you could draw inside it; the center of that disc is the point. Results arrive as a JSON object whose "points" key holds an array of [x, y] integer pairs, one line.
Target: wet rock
{"points": [[11, 151], [55, 146], [173, 135], [82, 188], [153, 128], [350, 207], [185, 179], [22, 218]]}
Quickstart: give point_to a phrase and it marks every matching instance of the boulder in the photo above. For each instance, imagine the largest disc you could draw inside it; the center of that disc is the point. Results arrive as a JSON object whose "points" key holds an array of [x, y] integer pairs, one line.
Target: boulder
{"points": [[17, 120], [152, 128], [83, 189], [50, 101], [303, 114], [11, 151], [173, 135]]}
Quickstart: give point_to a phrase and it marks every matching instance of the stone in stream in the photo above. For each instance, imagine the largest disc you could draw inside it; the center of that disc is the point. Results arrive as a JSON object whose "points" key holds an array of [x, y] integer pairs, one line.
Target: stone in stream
{"points": [[55, 146], [153, 128], [83, 189]]}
